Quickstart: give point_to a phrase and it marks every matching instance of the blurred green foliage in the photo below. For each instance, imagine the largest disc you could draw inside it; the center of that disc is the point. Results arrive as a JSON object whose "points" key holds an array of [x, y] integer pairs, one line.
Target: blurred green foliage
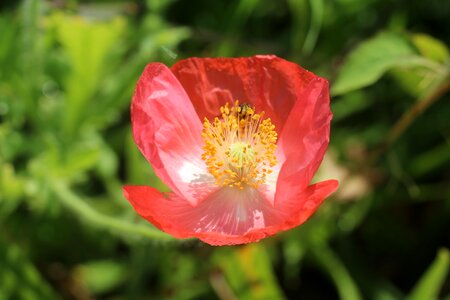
{"points": [[67, 73]]}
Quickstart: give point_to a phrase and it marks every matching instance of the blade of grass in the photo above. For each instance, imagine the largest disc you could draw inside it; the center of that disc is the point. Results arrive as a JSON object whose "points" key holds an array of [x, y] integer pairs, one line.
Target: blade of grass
{"points": [[431, 282], [330, 263], [317, 11]]}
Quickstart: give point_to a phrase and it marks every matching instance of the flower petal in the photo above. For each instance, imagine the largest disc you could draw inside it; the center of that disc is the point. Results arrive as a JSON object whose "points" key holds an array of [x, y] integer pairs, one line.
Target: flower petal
{"points": [[304, 139], [268, 82], [168, 132], [303, 205], [227, 217]]}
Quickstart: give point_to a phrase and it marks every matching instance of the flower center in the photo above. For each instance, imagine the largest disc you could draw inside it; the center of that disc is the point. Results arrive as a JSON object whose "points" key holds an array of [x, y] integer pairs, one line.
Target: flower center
{"points": [[239, 147], [241, 154]]}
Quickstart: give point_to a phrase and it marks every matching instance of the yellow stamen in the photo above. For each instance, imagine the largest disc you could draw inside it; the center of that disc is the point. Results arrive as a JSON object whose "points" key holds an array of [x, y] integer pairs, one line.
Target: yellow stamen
{"points": [[239, 147]]}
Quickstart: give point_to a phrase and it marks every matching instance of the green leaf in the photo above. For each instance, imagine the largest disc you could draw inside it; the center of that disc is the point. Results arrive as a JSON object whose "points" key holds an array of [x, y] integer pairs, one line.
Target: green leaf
{"points": [[429, 285], [430, 160], [417, 80], [19, 279], [12, 189], [248, 271], [8, 33], [79, 159], [101, 276], [430, 47], [87, 45], [374, 57], [349, 104]]}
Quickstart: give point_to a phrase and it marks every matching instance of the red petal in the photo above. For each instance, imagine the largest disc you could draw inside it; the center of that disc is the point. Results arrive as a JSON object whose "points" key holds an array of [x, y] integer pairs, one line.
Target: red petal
{"points": [[306, 203], [268, 82], [220, 220], [168, 132], [304, 139]]}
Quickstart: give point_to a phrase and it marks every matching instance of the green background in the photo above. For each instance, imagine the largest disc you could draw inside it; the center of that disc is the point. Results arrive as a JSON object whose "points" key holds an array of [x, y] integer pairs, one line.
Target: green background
{"points": [[67, 74]]}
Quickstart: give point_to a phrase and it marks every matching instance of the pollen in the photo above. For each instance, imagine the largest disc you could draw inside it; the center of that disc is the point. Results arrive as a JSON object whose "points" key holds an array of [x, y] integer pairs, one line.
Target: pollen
{"points": [[239, 146]]}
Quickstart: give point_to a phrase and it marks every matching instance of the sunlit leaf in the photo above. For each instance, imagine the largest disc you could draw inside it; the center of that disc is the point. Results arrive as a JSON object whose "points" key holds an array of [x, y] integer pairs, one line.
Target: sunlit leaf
{"points": [[370, 60], [430, 47], [417, 80], [87, 45]]}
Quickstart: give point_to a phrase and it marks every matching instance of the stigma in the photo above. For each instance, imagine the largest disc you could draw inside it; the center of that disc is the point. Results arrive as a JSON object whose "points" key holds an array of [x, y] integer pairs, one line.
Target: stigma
{"points": [[239, 146]]}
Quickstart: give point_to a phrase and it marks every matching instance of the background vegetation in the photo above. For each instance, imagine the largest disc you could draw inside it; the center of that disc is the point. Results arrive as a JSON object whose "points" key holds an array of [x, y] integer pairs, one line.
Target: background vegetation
{"points": [[67, 73]]}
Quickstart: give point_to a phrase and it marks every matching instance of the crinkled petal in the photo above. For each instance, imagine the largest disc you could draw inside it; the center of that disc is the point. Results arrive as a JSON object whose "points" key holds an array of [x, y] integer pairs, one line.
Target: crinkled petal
{"points": [[304, 204], [228, 216], [304, 139], [167, 130], [268, 82]]}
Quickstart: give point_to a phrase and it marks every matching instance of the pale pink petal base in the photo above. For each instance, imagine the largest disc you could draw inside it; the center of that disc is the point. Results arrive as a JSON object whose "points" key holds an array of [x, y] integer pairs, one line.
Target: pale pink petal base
{"points": [[228, 216]]}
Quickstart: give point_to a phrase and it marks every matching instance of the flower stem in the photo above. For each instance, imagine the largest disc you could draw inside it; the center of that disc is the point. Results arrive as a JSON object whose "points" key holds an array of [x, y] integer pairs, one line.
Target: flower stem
{"points": [[411, 114], [71, 201]]}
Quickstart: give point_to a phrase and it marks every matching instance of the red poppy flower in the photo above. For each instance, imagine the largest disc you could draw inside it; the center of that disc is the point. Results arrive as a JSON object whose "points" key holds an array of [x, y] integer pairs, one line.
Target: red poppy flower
{"points": [[237, 140]]}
